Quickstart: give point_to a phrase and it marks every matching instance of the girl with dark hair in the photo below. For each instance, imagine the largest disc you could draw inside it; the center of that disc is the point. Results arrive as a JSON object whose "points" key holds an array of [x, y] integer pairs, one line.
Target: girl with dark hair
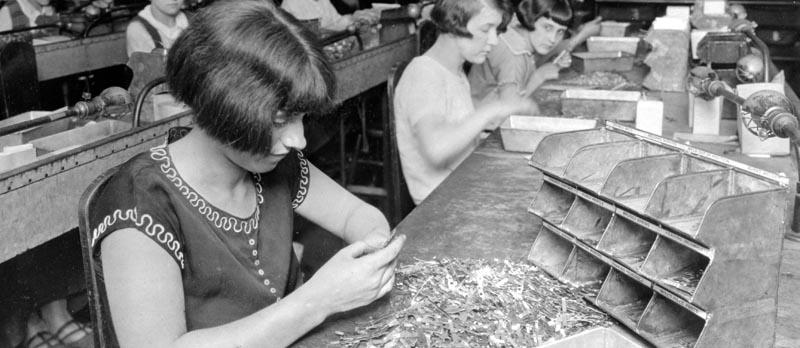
{"points": [[437, 124], [517, 66], [194, 237]]}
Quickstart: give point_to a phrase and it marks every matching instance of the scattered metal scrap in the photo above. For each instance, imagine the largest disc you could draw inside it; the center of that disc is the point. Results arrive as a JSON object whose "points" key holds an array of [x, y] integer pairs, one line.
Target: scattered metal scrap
{"points": [[475, 303]]}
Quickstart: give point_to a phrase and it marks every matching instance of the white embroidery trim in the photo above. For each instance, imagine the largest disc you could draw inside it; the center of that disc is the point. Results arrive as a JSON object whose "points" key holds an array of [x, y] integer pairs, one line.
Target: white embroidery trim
{"points": [[151, 228], [226, 223], [168, 238], [302, 190]]}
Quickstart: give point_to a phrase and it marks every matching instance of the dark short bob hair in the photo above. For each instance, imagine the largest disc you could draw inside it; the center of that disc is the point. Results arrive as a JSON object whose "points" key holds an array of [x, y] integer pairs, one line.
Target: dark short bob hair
{"points": [[239, 63], [528, 11], [451, 16]]}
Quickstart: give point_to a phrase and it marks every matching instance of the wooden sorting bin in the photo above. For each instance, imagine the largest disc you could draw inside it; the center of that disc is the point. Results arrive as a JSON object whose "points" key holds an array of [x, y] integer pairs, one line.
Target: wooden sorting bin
{"points": [[601, 104], [523, 133], [602, 61], [612, 44], [685, 244]]}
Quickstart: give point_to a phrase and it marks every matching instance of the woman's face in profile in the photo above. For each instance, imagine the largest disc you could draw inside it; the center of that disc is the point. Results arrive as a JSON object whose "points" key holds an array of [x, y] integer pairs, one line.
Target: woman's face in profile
{"points": [[286, 134], [483, 27]]}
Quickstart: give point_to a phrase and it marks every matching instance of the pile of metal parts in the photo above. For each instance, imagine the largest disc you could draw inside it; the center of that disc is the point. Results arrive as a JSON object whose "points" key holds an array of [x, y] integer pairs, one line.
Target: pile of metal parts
{"points": [[476, 303]]}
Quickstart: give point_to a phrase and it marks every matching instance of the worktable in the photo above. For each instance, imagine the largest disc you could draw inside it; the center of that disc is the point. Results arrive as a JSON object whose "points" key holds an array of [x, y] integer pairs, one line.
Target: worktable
{"points": [[39, 201], [480, 211]]}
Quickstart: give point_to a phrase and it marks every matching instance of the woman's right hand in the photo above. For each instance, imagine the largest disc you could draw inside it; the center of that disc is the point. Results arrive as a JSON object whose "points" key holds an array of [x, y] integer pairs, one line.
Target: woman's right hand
{"points": [[356, 276], [499, 110], [548, 71]]}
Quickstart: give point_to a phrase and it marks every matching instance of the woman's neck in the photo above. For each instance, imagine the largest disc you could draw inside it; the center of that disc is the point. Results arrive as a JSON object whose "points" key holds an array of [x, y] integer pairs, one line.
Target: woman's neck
{"points": [[446, 52], [200, 160]]}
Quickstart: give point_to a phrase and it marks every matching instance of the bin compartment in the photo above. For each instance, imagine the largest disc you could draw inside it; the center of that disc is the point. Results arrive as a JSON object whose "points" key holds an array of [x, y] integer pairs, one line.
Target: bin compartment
{"points": [[551, 203], [675, 265], [591, 165], [586, 221], [550, 252], [583, 269], [668, 325], [632, 181], [624, 298], [555, 150], [627, 242]]}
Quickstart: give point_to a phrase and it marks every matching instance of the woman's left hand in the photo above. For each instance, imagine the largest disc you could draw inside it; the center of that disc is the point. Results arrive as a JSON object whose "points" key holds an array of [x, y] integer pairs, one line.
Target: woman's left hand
{"points": [[590, 28], [377, 239]]}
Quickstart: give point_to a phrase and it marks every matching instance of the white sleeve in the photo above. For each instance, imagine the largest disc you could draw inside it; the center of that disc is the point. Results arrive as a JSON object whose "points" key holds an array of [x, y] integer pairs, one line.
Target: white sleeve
{"points": [[419, 94], [300, 9], [331, 19], [5, 19]]}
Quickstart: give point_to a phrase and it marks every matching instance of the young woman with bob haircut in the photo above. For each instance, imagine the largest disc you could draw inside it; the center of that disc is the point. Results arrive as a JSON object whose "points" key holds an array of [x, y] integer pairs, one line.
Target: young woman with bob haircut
{"points": [[194, 237], [437, 124], [520, 63]]}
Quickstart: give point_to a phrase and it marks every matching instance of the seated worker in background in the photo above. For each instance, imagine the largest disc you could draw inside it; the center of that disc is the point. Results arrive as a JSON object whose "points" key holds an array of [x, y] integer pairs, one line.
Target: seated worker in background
{"points": [[538, 28], [195, 236], [329, 18], [15, 14], [437, 125], [156, 26]]}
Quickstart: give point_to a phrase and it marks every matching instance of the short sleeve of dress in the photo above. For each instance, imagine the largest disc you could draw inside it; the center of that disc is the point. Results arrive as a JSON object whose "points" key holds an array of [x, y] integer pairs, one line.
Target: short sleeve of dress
{"points": [[136, 197], [507, 67], [294, 169], [302, 180]]}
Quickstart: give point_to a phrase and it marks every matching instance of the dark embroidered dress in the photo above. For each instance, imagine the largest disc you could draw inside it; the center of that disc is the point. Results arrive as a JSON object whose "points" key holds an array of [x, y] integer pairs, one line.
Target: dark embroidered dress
{"points": [[231, 266]]}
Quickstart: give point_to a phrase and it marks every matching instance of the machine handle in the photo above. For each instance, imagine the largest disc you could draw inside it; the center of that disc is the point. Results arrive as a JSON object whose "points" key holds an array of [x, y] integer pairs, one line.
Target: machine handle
{"points": [[32, 123], [112, 96]]}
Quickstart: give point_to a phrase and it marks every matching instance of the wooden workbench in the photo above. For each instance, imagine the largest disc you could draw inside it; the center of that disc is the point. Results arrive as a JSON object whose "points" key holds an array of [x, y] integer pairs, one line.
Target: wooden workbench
{"points": [[38, 202], [480, 211]]}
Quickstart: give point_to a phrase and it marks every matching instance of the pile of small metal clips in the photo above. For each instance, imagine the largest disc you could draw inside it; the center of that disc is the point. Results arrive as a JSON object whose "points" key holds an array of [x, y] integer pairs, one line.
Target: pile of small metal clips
{"points": [[475, 303]]}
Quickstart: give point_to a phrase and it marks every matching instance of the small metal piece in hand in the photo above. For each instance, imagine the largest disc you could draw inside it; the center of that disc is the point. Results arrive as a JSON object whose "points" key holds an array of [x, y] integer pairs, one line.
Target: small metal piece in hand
{"points": [[560, 61], [390, 239]]}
